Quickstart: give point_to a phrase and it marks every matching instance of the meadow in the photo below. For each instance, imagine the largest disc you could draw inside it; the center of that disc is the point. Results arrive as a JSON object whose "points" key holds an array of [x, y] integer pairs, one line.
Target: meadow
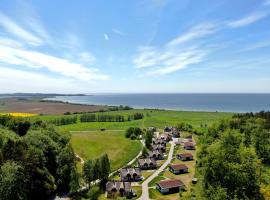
{"points": [[89, 142], [156, 118]]}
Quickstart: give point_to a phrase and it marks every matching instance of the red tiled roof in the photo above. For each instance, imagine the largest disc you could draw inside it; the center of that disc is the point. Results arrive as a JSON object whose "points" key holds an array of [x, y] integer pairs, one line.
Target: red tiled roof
{"points": [[178, 166], [186, 155], [171, 183], [188, 144]]}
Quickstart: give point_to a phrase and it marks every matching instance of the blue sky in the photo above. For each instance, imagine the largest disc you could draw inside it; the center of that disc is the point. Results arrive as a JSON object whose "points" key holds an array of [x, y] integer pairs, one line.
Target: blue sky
{"points": [[134, 46]]}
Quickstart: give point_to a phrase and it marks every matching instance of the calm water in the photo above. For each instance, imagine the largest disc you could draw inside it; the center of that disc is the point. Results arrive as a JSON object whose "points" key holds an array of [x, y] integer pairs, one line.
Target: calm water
{"points": [[191, 102]]}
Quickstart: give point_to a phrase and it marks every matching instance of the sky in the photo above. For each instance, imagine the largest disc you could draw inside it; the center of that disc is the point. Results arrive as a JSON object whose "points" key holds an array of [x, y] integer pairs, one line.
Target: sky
{"points": [[136, 46]]}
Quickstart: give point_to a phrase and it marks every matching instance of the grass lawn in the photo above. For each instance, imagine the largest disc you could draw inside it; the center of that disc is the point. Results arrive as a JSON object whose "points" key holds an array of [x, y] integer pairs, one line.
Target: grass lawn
{"points": [[155, 194], [90, 145]]}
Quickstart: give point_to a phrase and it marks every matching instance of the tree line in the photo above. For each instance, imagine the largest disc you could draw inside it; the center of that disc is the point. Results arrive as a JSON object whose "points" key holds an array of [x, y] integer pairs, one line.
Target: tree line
{"points": [[91, 117], [234, 158], [59, 121]]}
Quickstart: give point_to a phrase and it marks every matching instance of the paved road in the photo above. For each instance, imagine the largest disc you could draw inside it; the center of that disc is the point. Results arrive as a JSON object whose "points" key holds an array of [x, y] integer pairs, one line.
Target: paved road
{"points": [[145, 191]]}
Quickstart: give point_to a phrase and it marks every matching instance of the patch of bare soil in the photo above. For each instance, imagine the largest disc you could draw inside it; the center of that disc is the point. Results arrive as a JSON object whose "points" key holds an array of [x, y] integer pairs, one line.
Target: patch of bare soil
{"points": [[37, 107]]}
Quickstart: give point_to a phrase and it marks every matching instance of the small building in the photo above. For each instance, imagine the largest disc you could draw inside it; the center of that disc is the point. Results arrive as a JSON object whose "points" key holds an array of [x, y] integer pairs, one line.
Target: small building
{"points": [[159, 147], [130, 174], [158, 141], [178, 168], [185, 156], [175, 132], [147, 163], [167, 129], [118, 188], [166, 137], [189, 146], [158, 155], [170, 186], [152, 129]]}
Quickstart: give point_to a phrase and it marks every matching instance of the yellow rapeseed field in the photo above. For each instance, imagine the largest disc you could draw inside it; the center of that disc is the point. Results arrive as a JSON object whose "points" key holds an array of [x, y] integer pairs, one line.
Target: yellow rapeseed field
{"points": [[19, 114]]}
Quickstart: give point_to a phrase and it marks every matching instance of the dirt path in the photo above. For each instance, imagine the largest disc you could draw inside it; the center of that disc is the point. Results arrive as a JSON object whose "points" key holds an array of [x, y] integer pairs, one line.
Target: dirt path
{"points": [[145, 189]]}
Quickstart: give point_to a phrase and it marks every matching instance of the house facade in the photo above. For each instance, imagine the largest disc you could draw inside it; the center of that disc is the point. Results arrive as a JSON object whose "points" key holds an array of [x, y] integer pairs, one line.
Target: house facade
{"points": [[130, 174], [159, 147], [169, 186], [178, 168], [118, 188], [189, 146], [147, 163], [157, 155], [185, 156]]}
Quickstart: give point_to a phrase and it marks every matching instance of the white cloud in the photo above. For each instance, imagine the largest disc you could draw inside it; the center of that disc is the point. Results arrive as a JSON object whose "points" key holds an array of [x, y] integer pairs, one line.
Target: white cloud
{"points": [[34, 59], [86, 57], [13, 28], [118, 32], [173, 56], [258, 45], [24, 81], [18, 49], [266, 3], [196, 32], [106, 37], [250, 19]]}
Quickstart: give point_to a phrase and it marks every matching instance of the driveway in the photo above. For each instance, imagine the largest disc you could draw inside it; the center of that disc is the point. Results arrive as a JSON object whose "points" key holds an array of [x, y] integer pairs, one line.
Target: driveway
{"points": [[145, 191]]}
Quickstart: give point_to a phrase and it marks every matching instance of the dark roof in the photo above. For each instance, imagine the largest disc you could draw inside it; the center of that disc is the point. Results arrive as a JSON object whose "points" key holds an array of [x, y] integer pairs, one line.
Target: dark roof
{"points": [[147, 161], [118, 185], [189, 144], [155, 152], [131, 171], [171, 183], [185, 155], [178, 166]]}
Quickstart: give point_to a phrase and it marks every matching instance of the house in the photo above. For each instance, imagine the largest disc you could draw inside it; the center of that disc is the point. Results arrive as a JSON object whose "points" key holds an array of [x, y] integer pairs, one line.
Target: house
{"points": [[118, 188], [166, 137], [152, 129], [178, 168], [130, 174], [159, 147], [170, 186], [185, 156], [189, 146], [175, 133], [167, 129], [158, 155], [158, 141], [147, 163]]}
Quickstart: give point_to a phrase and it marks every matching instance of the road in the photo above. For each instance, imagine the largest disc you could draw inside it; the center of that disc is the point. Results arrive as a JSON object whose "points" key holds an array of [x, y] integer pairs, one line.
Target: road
{"points": [[145, 189]]}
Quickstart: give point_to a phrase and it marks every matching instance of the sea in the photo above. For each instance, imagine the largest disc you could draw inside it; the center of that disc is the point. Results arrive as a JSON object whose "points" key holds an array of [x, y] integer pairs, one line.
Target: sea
{"points": [[182, 102]]}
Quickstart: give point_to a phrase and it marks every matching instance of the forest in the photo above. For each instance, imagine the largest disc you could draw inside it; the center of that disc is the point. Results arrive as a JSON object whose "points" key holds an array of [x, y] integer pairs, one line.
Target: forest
{"points": [[234, 158]]}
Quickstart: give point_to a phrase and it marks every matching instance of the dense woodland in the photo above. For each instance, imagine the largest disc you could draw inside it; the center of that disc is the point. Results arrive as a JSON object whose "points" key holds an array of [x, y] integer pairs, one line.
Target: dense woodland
{"points": [[234, 158], [36, 161]]}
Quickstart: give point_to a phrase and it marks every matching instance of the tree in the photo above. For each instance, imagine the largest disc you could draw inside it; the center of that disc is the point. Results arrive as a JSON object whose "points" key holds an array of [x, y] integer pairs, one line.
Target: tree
{"points": [[105, 168], [231, 165], [12, 181], [19, 126], [148, 139], [88, 172]]}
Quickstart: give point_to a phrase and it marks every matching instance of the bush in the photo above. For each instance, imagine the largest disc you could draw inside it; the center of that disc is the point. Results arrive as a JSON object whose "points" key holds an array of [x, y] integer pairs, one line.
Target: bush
{"points": [[94, 193]]}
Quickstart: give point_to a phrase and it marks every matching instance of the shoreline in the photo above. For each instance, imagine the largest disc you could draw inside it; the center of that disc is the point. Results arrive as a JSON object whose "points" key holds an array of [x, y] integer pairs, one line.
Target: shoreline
{"points": [[139, 108]]}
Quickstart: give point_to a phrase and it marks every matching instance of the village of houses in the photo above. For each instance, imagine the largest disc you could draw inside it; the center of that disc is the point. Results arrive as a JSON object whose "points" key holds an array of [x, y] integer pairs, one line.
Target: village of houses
{"points": [[167, 170]]}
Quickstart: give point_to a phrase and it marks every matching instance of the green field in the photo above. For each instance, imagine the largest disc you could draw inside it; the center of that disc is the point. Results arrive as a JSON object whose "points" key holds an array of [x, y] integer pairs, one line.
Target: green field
{"points": [[157, 118], [91, 145]]}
